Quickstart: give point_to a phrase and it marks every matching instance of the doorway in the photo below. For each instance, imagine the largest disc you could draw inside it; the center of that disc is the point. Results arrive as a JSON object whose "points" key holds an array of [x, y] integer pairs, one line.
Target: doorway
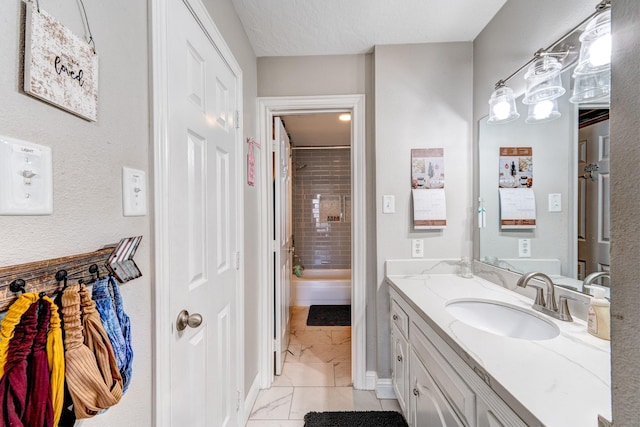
{"points": [[279, 106]]}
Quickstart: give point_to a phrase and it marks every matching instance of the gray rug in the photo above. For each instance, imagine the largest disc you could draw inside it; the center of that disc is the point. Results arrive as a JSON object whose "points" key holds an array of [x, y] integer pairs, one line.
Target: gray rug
{"points": [[329, 315], [355, 419]]}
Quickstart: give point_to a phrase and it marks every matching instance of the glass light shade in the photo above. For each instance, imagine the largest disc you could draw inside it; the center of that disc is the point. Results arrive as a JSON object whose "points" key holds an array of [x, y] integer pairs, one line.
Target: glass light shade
{"points": [[502, 106], [594, 87], [543, 111], [544, 81], [595, 45]]}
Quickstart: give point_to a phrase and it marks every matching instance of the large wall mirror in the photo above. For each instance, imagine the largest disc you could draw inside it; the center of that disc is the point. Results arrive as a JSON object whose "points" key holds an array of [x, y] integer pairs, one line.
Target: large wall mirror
{"points": [[564, 165]]}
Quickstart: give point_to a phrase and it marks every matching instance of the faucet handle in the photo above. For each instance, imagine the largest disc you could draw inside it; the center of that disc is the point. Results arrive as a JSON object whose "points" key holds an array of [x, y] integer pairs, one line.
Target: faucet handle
{"points": [[563, 310], [539, 295]]}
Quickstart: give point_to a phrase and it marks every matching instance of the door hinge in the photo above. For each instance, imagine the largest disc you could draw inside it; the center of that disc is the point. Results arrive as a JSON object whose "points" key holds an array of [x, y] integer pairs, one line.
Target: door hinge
{"points": [[237, 119], [275, 345], [237, 260]]}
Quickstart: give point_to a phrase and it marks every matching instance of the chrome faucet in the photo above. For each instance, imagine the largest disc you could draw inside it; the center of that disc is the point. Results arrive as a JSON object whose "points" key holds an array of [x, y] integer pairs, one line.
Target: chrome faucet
{"points": [[588, 281], [549, 307]]}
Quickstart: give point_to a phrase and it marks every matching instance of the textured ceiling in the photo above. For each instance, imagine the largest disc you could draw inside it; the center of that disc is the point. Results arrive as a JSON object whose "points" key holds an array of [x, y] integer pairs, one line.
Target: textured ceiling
{"points": [[333, 27]]}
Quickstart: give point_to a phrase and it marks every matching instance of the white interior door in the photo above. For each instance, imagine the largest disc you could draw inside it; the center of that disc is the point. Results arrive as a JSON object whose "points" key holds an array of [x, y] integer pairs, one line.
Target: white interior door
{"points": [[593, 199], [203, 240], [283, 244]]}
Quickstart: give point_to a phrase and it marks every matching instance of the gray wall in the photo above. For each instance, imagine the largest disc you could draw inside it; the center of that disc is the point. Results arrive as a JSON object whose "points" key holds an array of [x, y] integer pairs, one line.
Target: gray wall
{"points": [[423, 100], [334, 75], [228, 23], [319, 243], [87, 167], [625, 207]]}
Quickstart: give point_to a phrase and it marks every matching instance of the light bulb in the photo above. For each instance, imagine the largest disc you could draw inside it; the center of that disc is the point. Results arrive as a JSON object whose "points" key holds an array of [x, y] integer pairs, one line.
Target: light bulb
{"points": [[600, 51], [542, 110], [501, 110]]}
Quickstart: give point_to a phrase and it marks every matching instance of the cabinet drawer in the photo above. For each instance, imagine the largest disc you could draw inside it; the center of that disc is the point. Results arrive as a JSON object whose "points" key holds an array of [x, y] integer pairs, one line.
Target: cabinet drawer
{"points": [[399, 318], [456, 390]]}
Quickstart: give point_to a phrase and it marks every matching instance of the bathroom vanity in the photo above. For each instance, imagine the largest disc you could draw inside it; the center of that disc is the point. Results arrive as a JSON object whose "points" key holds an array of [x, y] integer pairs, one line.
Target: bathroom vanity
{"points": [[447, 372]]}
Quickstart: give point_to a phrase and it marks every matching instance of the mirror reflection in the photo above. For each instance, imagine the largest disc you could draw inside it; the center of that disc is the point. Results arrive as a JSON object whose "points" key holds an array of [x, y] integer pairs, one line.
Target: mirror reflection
{"points": [[567, 174]]}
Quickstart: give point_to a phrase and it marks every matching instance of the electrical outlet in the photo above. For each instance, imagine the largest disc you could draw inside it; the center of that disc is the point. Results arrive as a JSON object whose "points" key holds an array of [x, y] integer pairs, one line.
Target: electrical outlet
{"points": [[524, 248], [417, 248]]}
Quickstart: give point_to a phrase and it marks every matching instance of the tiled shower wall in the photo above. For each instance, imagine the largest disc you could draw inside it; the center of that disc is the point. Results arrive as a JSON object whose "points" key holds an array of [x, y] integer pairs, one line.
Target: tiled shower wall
{"points": [[322, 208]]}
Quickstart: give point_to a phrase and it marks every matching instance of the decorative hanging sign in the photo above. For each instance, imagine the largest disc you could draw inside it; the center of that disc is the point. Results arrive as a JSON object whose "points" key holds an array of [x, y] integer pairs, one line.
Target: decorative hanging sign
{"points": [[251, 162], [59, 67]]}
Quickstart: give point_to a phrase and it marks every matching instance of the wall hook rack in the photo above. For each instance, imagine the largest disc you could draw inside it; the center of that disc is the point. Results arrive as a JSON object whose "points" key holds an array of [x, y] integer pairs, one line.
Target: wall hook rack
{"points": [[51, 275]]}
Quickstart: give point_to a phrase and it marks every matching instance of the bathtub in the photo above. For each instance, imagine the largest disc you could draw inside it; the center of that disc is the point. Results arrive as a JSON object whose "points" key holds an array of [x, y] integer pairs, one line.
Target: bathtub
{"points": [[321, 287]]}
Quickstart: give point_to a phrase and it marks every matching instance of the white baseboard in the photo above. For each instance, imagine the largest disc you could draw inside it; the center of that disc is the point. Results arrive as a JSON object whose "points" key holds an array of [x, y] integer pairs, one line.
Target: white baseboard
{"points": [[370, 380], [250, 400], [384, 389]]}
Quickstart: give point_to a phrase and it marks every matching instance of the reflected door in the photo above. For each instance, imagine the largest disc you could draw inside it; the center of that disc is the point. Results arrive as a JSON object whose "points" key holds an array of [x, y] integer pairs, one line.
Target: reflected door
{"points": [[201, 207], [593, 199], [283, 241]]}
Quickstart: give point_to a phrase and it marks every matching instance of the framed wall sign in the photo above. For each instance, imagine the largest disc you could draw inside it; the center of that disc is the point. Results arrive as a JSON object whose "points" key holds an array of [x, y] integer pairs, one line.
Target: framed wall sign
{"points": [[59, 67]]}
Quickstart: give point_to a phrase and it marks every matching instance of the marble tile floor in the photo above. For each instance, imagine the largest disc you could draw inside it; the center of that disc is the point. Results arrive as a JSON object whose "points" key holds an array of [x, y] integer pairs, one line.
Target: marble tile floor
{"points": [[316, 377]]}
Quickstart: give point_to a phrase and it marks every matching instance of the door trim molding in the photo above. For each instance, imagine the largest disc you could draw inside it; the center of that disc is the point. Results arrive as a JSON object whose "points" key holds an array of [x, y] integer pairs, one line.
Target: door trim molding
{"points": [[162, 323], [267, 108]]}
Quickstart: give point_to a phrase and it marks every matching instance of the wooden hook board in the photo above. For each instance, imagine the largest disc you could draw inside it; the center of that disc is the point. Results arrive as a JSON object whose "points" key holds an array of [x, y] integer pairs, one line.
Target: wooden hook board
{"points": [[39, 276]]}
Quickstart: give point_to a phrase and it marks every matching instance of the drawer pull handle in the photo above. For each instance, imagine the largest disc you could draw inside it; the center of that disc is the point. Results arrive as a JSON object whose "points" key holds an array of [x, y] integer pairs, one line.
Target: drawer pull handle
{"points": [[395, 317], [416, 392], [399, 358]]}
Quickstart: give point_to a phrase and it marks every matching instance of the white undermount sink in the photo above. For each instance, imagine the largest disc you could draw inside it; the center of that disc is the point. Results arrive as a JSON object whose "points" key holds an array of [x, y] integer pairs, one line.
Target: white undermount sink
{"points": [[502, 319]]}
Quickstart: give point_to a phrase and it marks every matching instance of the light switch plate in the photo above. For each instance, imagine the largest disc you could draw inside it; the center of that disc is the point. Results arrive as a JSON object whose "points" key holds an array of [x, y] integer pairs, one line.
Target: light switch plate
{"points": [[417, 248], [555, 202], [134, 192], [26, 178], [388, 204], [524, 248]]}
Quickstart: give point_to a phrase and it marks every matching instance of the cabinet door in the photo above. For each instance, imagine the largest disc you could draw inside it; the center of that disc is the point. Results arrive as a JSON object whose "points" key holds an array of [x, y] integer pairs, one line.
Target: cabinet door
{"points": [[400, 367], [428, 407]]}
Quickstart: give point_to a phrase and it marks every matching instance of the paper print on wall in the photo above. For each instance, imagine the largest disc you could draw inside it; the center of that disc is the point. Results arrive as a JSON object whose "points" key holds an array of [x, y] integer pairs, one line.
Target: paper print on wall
{"points": [[516, 167], [59, 67], [427, 168]]}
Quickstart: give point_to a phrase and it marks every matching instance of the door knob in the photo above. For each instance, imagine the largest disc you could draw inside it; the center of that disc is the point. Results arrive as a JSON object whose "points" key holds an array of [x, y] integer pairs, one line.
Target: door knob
{"points": [[185, 320]]}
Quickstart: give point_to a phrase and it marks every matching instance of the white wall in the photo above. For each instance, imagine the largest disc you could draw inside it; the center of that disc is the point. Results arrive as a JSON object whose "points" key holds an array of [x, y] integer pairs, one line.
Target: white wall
{"points": [[625, 207], [228, 23], [423, 100], [87, 163]]}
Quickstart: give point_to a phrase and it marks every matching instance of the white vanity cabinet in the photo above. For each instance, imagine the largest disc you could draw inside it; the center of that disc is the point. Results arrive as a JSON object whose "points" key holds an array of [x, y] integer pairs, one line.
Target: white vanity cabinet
{"points": [[443, 390], [400, 354], [427, 407]]}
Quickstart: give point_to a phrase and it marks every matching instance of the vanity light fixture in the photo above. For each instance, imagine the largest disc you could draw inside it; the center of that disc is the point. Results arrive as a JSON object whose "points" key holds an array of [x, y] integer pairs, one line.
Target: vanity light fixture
{"points": [[543, 111], [502, 105], [592, 75], [593, 72], [544, 82]]}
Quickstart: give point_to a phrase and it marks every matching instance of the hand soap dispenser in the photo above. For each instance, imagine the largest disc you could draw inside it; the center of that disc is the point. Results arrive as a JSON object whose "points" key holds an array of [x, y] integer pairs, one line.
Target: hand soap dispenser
{"points": [[599, 323]]}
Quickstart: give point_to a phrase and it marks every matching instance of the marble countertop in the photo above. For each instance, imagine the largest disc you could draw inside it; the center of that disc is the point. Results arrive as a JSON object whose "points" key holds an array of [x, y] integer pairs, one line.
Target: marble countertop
{"points": [[564, 381]]}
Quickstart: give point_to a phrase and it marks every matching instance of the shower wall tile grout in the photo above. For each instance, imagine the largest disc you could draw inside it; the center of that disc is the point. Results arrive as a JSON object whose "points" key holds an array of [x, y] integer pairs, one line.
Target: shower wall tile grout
{"points": [[322, 186]]}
